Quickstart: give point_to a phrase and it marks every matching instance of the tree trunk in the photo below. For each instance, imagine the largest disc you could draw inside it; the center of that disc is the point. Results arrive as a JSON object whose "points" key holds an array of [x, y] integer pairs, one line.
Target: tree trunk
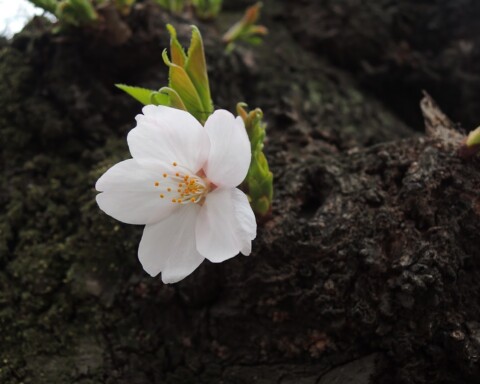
{"points": [[367, 271]]}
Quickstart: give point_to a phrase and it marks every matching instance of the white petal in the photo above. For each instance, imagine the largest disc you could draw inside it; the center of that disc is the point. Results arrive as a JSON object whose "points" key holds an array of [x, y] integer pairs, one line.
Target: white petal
{"points": [[230, 152], [245, 219], [225, 226], [132, 193], [130, 175], [133, 207], [169, 246], [247, 249], [169, 135]]}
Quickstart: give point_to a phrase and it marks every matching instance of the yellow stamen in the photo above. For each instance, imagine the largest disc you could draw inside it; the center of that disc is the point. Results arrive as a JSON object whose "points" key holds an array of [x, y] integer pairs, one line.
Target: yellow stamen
{"points": [[190, 189]]}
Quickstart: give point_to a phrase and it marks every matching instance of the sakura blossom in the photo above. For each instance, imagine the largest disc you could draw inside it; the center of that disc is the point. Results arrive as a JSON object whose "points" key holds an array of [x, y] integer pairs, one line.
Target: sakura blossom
{"points": [[181, 183]]}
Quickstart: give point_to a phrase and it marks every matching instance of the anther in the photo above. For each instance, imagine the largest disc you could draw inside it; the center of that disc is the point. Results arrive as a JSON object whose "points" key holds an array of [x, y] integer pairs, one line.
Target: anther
{"points": [[157, 184], [164, 175]]}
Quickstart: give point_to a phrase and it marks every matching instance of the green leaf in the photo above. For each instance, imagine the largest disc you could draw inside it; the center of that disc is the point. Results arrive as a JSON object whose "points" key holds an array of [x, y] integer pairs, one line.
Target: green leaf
{"points": [[143, 95], [196, 68], [262, 206], [254, 40], [182, 84], [76, 12], [259, 180], [158, 98], [175, 101], [246, 30], [47, 5], [473, 138], [175, 6], [84, 9], [207, 9], [163, 3], [123, 6]]}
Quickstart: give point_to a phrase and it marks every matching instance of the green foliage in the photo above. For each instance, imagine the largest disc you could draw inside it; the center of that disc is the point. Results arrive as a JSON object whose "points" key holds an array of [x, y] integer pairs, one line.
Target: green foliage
{"points": [[259, 180], [188, 86], [471, 146], [473, 138], [76, 12], [196, 68], [47, 5], [124, 6], [79, 12], [204, 9], [246, 30], [144, 96], [174, 6], [207, 9], [180, 82], [174, 99]]}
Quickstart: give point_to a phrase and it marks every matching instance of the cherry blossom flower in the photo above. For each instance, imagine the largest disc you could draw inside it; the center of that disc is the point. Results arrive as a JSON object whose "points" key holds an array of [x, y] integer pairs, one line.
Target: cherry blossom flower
{"points": [[181, 183]]}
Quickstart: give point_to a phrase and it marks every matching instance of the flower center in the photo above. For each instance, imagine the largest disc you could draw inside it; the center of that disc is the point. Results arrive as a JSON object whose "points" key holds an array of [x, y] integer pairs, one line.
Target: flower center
{"points": [[183, 187]]}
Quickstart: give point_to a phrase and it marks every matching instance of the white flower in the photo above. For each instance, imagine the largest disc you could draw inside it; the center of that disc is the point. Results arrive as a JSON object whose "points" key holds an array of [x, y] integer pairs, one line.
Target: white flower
{"points": [[182, 183]]}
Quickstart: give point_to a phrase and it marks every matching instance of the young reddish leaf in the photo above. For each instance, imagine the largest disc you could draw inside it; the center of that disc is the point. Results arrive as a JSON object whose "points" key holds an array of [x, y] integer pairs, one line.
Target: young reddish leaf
{"points": [[196, 68], [181, 82], [176, 50]]}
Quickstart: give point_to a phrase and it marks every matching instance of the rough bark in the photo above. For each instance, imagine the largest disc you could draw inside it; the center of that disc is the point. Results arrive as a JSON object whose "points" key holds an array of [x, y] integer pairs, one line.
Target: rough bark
{"points": [[398, 48], [368, 270]]}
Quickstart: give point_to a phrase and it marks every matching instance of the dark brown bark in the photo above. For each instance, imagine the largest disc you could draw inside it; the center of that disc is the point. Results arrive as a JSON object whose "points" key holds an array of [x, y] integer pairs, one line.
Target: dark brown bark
{"points": [[367, 272], [398, 48]]}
